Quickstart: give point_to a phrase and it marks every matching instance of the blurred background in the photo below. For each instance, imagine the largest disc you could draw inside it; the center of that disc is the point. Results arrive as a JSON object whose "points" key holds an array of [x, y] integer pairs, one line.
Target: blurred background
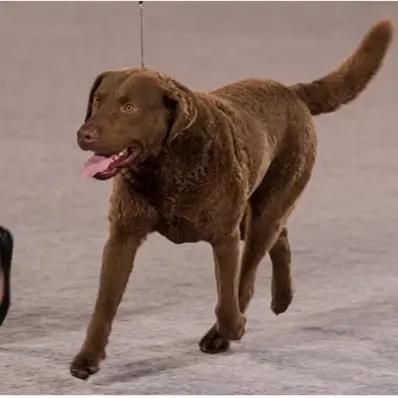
{"points": [[339, 335]]}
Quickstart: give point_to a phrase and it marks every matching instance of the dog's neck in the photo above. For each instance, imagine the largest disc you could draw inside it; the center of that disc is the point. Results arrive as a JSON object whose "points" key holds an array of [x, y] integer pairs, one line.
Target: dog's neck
{"points": [[190, 148]]}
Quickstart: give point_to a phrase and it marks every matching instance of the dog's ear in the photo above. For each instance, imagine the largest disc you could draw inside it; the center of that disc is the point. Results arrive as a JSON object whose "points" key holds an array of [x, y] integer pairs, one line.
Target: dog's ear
{"points": [[93, 89], [180, 101]]}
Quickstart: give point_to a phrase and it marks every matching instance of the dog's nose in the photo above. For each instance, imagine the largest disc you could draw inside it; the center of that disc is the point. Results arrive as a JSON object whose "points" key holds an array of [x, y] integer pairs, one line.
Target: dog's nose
{"points": [[87, 135]]}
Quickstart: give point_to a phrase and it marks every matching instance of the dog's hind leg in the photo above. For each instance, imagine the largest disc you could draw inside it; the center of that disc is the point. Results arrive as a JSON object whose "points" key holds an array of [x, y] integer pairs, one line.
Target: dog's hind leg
{"points": [[282, 292], [255, 249], [271, 205], [261, 237]]}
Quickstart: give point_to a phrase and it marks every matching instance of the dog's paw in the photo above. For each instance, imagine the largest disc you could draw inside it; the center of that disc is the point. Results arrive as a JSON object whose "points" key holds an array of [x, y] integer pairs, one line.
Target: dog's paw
{"points": [[213, 343], [281, 302], [84, 365], [232, 330]]}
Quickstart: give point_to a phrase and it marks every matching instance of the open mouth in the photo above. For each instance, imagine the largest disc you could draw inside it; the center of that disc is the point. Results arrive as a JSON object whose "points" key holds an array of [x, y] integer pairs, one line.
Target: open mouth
{"points": [[103, 167]]}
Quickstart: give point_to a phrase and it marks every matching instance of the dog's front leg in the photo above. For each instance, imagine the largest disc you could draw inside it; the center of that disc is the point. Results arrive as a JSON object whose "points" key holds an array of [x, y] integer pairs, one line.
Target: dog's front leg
{"points": [[230, 321], [117, 263]]}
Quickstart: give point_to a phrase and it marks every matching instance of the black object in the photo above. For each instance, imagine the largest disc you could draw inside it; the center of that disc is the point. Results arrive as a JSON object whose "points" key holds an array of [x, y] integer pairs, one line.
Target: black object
{"points": [[6, 246]]}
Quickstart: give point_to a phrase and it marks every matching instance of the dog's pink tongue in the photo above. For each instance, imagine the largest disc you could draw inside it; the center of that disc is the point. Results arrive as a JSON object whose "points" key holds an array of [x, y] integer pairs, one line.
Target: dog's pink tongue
{"points": [[95, 164]]}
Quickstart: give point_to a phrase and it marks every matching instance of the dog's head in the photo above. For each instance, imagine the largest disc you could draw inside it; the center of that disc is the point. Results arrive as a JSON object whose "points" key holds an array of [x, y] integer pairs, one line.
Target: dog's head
{"points": [[132, 113]]}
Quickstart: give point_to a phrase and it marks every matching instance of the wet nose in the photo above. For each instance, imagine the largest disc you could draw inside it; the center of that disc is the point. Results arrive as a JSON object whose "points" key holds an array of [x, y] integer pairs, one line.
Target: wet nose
{"points": [[87, 135]]}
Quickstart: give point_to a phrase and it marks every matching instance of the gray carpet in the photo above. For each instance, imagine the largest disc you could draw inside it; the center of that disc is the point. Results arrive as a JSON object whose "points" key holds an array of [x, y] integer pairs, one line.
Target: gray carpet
{"points": [[340, 334]]}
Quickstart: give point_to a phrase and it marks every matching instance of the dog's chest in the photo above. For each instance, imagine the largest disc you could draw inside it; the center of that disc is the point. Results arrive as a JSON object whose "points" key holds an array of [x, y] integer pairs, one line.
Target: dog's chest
{"points": [[180, 195]]}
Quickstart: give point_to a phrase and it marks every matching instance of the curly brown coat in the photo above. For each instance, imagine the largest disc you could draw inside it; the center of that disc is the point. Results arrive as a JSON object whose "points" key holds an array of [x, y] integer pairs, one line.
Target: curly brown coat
{"points": [[216, 167]]}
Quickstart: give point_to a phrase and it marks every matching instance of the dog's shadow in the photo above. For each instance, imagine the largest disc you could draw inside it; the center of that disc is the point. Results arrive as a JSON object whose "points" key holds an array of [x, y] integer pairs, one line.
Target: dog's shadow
{"points": [[188, 356]]}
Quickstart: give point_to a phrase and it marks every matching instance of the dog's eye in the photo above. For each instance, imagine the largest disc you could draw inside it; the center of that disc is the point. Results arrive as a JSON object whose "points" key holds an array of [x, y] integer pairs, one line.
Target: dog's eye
{"points": [[129, 107]]}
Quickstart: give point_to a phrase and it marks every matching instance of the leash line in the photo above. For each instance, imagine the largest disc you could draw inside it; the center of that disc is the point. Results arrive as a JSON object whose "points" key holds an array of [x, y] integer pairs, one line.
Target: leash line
{"points": [[141, 8]]}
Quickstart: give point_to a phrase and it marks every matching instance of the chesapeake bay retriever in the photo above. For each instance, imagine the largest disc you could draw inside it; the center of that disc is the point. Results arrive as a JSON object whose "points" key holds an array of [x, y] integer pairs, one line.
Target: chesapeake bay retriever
{"points": [[219, 167]]}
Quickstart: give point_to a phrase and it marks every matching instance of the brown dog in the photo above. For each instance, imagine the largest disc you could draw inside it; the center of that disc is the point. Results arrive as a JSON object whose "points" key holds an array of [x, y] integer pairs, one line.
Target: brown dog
{"points": [[215, 167]]}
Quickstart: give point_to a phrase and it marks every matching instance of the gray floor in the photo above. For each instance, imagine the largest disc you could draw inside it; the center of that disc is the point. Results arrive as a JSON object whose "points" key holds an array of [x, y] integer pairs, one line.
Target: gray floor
{"points": [[340, 334]]}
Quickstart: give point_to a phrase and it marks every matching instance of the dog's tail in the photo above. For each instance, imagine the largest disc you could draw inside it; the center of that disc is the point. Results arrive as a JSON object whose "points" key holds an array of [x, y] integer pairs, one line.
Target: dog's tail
{"points": [[346, 82]]}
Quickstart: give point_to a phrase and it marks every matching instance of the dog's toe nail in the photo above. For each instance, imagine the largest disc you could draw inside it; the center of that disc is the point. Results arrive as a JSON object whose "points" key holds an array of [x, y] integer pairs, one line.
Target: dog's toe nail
{"points": [[213, 343], [79, 373], [82, 368], [280, 306]]}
